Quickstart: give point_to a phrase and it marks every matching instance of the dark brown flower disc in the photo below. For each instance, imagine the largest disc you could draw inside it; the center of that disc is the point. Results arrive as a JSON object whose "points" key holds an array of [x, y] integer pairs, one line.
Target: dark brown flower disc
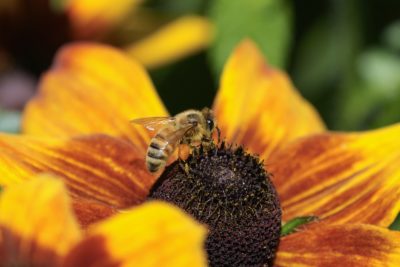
{"points": [[228, 190]]}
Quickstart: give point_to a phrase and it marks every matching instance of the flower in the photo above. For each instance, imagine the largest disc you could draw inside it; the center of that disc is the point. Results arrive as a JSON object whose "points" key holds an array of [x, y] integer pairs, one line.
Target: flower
{"points": [[31, 33], [80, 132], [62, 21], [52, 236]]}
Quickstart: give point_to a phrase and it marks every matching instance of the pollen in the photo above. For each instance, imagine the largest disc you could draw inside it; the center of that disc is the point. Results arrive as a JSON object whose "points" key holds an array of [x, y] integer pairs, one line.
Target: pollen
{"points": [[229, 190]]}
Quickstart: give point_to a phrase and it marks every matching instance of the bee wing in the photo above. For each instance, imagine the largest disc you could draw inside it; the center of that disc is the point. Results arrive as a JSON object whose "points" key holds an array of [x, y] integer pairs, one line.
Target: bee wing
{"points": [[153, 123], [176, 136]]}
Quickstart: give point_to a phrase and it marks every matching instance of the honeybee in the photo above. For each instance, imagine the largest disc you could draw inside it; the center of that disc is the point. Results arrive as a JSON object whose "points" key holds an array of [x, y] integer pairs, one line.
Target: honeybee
{"points": [[190, 127]]}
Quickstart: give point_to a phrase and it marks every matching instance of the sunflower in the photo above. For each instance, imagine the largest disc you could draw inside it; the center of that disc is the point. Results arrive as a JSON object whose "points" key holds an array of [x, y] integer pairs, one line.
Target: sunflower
{"points": [[77, 128]]}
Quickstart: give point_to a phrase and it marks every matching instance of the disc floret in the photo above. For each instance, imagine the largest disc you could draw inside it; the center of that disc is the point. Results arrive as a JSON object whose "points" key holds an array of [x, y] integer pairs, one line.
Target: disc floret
{"points": [[229, 190]]}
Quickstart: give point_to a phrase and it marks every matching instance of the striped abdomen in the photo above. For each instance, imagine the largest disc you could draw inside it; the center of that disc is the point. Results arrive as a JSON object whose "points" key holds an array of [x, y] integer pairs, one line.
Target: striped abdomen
{"points": [[160, 149]]}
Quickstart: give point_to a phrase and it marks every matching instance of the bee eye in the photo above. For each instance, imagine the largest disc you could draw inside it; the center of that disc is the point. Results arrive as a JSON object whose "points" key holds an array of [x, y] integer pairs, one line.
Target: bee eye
{"points": [[210, 124]]}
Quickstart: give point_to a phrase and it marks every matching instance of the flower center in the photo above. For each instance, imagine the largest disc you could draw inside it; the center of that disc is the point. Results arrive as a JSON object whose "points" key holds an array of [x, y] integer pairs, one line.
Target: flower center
{"points": [[229, 190]]}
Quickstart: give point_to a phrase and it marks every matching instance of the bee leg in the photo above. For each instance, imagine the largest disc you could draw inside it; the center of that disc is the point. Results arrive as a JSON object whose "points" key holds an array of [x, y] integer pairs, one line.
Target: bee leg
{"points": [[187, 168], [184, 166], [207, 144], [219, 135]]}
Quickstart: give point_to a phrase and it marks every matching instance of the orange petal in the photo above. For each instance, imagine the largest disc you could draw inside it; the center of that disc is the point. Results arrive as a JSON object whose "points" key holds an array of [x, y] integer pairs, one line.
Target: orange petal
{"points": [[154, 234], [340, 245], [183, 36], [98, 167], [36, 223], [94, 18], [93, 89], [257, 105], [341, 177], [89, 211]]}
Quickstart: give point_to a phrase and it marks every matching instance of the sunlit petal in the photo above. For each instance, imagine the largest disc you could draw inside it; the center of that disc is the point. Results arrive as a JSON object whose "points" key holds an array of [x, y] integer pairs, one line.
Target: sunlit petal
{"points": [[181, 37], [257, 105], [98, 167], [154, 234], [340, 245], [93, 89], [36, 223], [341, 177], [94, 18]]}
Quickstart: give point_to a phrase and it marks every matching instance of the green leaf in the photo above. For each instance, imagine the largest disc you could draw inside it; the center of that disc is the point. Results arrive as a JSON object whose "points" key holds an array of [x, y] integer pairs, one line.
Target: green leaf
{"points": [[9, 121], [294, 224], [267, 22], [396, 224]]}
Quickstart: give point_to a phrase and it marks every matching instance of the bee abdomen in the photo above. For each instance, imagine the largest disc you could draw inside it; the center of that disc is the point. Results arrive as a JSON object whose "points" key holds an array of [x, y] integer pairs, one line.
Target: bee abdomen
{"points": [[157, 154], [153, 165]]}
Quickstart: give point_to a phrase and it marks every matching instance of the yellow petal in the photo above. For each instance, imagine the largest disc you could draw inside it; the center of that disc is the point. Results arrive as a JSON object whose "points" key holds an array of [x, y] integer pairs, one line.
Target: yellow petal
{"points": [[257, 105], [174, 41], [93, 89], [36, 223], [340, 245], [97, 167], [94, 18], [154, 234], [341, 177]]}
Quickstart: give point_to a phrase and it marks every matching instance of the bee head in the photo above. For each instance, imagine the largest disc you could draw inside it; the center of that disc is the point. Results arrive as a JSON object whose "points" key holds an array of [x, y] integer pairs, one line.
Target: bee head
{"points": [[210, 119]]}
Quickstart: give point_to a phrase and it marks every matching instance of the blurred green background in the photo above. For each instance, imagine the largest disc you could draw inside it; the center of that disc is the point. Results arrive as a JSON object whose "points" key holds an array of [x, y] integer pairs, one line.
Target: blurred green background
{"points": [[343, 55]]}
